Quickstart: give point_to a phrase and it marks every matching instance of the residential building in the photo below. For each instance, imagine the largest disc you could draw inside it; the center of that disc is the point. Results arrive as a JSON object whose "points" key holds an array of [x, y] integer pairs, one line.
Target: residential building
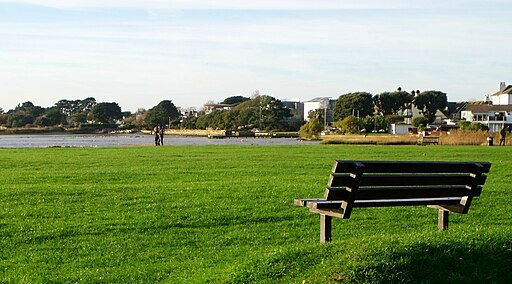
{"points": [[209, 107], [503, 96], [296, 109], [495, 111], [495, 117], [324, 104]]}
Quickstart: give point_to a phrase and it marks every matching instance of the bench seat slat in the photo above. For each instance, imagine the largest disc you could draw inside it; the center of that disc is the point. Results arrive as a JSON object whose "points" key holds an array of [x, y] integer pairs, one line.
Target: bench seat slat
{"points": [[363, 193], [410, 167], [407, 202], [339, 180], [326, 204]]}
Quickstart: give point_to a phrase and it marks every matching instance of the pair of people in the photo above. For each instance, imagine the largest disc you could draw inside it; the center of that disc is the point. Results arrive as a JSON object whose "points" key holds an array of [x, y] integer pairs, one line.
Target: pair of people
{"points": [[159, 136]]}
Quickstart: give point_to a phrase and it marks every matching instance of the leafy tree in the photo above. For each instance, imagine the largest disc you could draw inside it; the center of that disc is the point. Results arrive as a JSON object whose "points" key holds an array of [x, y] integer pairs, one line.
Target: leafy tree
{"points": [[189, 123], [311, 129], [23, 114], [43, 121], [235, 100], [375, 122], [317, 113], [266, 112], [350, 124], [468, 126], [429, 102], [164, 113], [87, 104], [394, 118], [3, 119], [247, 118], [29, 108], [360, 103], [77, 118], [420, 122], [54, 116], [68, 107], [18, 119], [106, 112], [388, 103]]}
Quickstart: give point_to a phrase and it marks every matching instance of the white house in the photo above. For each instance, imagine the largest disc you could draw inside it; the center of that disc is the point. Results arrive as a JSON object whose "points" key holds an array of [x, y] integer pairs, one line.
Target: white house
{"points": [[503, 96], [495, 112], [493, 116]]}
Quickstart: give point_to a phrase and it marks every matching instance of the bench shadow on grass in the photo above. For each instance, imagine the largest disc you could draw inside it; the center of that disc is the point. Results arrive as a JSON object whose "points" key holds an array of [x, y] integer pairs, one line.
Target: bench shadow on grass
{"points": [[480, 261]]}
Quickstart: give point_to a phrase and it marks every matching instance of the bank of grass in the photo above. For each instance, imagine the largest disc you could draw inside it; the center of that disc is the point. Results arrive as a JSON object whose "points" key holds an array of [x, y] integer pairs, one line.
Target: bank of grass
{"points": [[224, 214]]}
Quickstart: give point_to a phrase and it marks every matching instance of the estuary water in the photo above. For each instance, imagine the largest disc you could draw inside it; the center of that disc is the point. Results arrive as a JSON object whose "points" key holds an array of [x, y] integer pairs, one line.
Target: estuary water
{"points": [[95, 140]]}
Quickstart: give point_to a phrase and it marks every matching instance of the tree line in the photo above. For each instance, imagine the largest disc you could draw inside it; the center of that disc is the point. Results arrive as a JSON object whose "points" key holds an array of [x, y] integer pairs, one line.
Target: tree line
{"points": [[263, 112]]}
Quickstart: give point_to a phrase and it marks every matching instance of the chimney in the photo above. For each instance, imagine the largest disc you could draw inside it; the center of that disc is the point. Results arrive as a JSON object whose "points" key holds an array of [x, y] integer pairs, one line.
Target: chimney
{"points": [[502, 86]]}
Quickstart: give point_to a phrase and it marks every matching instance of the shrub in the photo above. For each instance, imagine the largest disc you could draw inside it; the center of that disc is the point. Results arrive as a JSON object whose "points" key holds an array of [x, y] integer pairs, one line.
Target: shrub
{"points": [[311, 129], [350, 125], [420, 122]]}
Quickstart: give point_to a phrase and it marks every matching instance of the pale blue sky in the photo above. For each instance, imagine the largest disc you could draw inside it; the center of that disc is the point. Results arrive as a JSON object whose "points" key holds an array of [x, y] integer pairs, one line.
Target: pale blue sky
{"points": [[139, 52]]}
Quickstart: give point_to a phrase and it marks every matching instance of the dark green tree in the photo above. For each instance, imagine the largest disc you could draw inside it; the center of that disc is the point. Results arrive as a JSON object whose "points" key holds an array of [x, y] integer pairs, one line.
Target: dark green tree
{"points": [[189, 123], [55, 116], [358, 104], [350, 124], [375, 122], [87, 104], [264, 112], [234, 100], [19, 119], [23, 114], [420, 122], [164, 113], [106, 112], [77, 118], [388, 103], [68, 107], [29, 108], [429, 102]]}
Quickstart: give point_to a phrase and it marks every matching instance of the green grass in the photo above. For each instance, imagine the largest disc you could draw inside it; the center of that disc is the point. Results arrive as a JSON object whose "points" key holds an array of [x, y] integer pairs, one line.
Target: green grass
{"points": [[225, 214]]}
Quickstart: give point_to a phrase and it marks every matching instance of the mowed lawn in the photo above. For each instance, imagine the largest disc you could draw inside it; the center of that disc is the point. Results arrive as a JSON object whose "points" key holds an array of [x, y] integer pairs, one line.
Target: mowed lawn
{"points": [[225, 214]]}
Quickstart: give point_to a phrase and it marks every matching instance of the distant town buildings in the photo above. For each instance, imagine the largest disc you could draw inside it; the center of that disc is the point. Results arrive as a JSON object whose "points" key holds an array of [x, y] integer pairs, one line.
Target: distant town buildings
{"points": [[495, 111]]}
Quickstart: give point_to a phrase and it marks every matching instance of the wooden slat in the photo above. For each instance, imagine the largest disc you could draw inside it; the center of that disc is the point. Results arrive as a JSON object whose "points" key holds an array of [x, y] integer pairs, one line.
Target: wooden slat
{"points": [[407, 202], [337, 213], [402, 192], [323, 204], [342, 166], [305, 201], [452, 208], [466, 201], [339, 180]]}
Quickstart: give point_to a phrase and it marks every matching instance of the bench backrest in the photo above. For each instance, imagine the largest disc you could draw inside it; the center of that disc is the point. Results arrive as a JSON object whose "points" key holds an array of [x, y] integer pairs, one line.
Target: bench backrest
{"points": [[448, 185]]}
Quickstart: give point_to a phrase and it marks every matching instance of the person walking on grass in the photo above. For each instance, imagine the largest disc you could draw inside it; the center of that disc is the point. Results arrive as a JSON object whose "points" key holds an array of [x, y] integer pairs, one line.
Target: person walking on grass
{"points": [[162, 135], [157, 135], [503, 134]]}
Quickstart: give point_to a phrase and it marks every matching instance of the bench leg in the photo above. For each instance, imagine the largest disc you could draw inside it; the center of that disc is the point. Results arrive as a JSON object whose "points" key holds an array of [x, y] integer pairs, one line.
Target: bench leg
{"points": [[325, 228], [442, 219]]}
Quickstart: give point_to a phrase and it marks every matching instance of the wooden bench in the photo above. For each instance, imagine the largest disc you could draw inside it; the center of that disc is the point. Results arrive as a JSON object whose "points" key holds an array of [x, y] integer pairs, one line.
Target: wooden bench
{"points": [[446, 186], [428, 140]]}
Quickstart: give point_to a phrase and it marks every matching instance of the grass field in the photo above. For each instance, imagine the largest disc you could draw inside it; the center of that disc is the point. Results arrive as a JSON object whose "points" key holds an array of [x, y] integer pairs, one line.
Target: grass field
{"points": [[225, 214]]}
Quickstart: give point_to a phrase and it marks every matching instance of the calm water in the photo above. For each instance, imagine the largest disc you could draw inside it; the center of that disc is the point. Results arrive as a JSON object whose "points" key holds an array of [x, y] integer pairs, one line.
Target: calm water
{"points": [[68, 140]]}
